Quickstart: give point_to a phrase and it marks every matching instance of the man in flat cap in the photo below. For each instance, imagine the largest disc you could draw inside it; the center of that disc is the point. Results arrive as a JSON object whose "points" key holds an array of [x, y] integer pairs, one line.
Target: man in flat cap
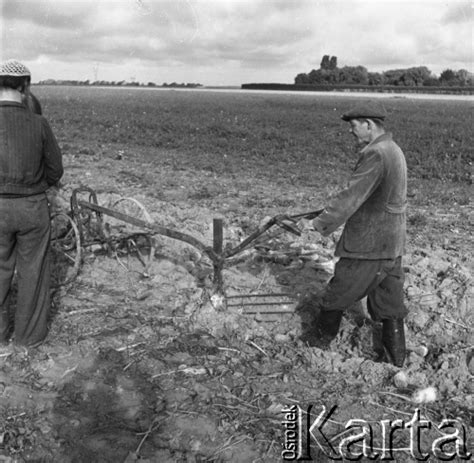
{"points": [[372, 207], [30, 162]]}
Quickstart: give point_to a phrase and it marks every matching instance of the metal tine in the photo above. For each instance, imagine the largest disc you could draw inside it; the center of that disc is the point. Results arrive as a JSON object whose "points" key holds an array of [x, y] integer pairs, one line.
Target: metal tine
{"points": [[244, 304], [253, 303], [235, 296], [269, 310]]}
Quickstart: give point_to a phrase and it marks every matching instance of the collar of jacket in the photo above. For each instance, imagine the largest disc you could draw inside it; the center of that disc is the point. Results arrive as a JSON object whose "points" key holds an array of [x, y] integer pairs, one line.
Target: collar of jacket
{"points": [[11, 103], [383, 137]]}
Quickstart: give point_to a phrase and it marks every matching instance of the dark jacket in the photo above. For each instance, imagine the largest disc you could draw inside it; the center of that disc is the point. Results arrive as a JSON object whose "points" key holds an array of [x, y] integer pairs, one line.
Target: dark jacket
{"points": [[373, 206], [30, 158]]}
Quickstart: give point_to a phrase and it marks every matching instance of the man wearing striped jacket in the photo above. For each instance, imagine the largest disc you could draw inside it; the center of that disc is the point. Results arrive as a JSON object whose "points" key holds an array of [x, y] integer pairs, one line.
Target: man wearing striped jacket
{"points": [[30, 162]]}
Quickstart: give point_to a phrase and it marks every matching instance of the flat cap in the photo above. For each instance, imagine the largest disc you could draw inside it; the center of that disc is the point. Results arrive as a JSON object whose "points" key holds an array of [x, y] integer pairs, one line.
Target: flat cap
{"points": [[368, 110], [14, 68]]}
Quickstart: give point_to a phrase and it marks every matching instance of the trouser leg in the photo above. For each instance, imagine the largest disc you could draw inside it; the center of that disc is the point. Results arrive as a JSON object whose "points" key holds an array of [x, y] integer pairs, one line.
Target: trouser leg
{"points": [[33, 267], [7, 263], [380, 280], [7, 268], [386, 299], [348, 285], [352, 279]]}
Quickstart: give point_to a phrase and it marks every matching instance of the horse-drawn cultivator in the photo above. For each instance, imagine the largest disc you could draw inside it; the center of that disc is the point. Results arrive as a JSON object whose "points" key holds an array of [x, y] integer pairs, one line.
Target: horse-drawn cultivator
{"points": [[84, 227]]}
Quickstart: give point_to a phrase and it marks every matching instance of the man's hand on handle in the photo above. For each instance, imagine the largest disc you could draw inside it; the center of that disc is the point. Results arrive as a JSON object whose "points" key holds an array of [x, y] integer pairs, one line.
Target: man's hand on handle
{"points": [[306, 225]]}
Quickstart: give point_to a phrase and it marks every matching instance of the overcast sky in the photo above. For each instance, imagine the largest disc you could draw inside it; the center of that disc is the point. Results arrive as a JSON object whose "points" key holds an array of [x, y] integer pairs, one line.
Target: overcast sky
{"points": [[229, 42]]}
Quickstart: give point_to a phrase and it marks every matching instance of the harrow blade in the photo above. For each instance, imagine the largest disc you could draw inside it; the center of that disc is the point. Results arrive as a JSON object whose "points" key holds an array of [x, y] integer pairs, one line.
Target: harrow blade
{"points": [[271, 303]]}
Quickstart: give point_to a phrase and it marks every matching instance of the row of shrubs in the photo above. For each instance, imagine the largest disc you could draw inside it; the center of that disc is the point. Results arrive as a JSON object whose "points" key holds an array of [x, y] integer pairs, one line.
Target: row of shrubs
{"points": [[359, 88]]}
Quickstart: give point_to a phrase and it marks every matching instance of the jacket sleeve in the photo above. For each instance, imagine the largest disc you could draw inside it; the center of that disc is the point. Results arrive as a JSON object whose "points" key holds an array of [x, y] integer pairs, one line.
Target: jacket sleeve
{"points": [[363, 182], [53, 164]]}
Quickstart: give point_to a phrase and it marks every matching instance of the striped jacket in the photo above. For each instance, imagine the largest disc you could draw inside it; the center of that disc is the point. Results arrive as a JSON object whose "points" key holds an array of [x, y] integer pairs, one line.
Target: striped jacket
{"points": [[30, 158]]}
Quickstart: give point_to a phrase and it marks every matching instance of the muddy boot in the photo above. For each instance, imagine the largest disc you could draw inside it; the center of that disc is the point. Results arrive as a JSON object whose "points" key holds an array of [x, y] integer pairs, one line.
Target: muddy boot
{"points": [[325, 328], [393, 339]]}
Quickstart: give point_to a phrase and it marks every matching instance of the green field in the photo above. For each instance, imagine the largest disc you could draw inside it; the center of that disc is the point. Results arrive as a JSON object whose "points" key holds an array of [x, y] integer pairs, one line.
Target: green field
{"points": [[301, 135]]}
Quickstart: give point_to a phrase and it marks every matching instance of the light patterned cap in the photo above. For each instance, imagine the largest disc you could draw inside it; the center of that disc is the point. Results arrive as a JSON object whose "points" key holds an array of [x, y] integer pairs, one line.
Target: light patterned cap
{"points": [[14, 68]]}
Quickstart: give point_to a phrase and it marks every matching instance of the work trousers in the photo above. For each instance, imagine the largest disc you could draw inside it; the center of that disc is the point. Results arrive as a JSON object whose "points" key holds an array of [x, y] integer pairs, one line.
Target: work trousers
{"points": [[380, 280], [24, 246]]}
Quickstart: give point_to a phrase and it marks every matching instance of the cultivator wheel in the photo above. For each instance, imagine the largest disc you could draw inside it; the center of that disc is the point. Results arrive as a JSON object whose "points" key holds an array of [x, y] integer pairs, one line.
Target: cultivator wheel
{"points": [[136, 250], [132, 208], [66, 251], [89, 222]]}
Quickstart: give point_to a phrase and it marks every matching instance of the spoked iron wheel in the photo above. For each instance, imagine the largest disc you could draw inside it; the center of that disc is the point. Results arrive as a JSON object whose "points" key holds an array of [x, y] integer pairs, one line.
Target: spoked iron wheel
{"points": [[132, 208], [136, 251], [66, 251]]}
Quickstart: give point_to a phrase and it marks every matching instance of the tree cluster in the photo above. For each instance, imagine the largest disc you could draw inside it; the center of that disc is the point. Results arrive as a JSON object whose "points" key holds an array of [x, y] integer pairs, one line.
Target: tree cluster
{"points": [[330, 74], [176, 85], [107, 83]]}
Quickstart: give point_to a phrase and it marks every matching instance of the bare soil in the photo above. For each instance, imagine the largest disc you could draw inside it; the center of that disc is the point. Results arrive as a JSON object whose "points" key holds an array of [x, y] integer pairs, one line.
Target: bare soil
{"points": [[140, 366]]}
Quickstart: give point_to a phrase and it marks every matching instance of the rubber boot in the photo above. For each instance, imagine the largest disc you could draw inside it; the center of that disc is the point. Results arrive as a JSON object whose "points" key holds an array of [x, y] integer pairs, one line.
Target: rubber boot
{"points": [[326, 328], [329, 322], [393, 340]]}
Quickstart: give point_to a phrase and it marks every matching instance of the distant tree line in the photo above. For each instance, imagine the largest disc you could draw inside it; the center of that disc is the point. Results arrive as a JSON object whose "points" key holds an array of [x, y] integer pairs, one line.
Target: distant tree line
{"points": [[121, 83], [174, 84], [330, 74]]}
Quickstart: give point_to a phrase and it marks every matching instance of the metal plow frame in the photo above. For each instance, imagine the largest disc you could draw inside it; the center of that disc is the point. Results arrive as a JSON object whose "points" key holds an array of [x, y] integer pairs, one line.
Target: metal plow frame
{"points": [[88, 215]]}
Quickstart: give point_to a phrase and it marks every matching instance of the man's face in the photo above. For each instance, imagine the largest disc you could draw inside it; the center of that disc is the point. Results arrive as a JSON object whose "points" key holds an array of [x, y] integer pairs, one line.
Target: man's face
{"points": [[360, 128]]}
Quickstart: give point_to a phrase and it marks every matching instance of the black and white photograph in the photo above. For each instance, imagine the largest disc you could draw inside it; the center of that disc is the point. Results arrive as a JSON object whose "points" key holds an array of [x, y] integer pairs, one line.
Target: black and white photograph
{"points": [[236, 231]]}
